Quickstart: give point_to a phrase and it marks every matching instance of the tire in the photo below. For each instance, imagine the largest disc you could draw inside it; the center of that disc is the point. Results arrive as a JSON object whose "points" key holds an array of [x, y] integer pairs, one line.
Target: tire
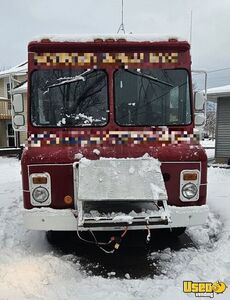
{"points": [[175, 232], [53, 237], [59, 237]]}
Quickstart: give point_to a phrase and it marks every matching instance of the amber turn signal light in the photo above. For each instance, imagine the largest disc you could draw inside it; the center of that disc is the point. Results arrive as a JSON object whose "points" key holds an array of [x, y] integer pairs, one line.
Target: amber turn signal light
{"points": [[39, 180], [68, 199], [190, 176]]}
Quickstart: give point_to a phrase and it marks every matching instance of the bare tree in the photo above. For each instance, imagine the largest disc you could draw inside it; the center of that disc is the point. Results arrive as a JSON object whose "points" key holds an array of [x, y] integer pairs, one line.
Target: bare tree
{"points": [[210, 125]]}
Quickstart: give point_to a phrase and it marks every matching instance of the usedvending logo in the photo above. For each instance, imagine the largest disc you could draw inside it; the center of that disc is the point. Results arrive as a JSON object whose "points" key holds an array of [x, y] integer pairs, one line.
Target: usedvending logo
{"points": [[204, 289]]}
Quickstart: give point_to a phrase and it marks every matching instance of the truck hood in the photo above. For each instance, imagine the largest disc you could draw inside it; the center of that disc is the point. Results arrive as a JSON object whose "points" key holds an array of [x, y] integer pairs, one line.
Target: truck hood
{"points": [[69, 154]]}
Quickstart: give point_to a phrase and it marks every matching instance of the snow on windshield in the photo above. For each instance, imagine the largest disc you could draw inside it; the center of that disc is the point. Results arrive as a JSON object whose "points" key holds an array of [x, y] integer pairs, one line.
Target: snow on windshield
{"points": [[69, 98]]}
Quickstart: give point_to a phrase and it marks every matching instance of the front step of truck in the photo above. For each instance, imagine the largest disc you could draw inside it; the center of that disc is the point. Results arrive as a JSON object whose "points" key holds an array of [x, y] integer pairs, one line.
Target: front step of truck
{"points": [[120, 192]]}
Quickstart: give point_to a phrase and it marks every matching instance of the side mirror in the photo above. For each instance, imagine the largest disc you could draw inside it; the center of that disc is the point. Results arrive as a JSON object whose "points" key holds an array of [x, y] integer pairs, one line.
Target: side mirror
{"points": [[199, 101], [18, 105], [200, 119], [18, 118], [199, 109]]}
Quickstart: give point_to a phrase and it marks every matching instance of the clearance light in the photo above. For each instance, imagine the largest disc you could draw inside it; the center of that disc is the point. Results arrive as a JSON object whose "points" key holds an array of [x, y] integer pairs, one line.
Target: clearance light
{"points": [[173, 40], [190, 176], [39, 180], [110, 40], [68, 199], [98, 40], [45, 40]]}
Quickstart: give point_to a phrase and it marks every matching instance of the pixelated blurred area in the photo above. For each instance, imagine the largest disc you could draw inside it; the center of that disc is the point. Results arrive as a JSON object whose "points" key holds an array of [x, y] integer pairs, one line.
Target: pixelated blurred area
{"points": [[80, 59], [163, 58], [85, 138]]}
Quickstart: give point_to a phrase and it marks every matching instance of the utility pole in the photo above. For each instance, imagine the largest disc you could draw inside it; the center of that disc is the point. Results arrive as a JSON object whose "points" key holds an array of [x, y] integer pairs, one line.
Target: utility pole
{"points": [[190, 36]]}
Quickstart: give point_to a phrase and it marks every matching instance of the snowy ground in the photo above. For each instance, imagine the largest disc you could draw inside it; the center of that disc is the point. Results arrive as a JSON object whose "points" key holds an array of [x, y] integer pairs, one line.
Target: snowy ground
{"points": [[31, 269], [209, 146]]}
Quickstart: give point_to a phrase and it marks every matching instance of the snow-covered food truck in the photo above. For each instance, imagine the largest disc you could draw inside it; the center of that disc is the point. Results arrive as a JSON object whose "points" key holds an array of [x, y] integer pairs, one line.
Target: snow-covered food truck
{"points": [[111, 143]]}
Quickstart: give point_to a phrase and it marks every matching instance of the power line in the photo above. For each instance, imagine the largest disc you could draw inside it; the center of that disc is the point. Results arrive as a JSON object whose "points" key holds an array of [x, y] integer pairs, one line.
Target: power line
{"points": [[218, 70]]}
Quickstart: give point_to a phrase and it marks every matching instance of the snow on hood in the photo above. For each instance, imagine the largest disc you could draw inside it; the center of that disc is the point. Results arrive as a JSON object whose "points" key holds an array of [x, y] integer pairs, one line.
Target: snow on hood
{"points": [[120, 178]]}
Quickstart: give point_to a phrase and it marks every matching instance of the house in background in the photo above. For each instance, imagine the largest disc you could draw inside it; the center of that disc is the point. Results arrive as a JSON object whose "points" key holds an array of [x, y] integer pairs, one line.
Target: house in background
{"points": [[221, 95], [9, 80]]}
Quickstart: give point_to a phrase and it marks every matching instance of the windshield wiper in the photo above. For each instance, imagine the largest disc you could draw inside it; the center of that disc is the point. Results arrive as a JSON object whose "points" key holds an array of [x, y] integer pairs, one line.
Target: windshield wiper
{"points": [[155, 79], [67, 80]]}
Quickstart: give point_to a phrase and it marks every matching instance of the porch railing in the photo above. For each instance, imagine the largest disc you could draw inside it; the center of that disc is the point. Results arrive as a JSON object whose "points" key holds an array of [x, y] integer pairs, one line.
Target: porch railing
{"points": [[5, 107]]}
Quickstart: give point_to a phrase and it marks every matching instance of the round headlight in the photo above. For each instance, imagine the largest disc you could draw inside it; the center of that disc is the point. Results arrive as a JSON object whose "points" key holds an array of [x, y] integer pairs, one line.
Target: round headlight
{"points": [[40, 194], [189, 190]]}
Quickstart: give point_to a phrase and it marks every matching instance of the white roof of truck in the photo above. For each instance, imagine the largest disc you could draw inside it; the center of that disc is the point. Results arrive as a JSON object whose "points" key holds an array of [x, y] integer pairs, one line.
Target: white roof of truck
{"points": [[92, 37]]}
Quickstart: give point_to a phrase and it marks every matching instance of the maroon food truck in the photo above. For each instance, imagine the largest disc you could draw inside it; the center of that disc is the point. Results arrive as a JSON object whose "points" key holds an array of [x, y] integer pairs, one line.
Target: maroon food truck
{"points": [[111, 143]]}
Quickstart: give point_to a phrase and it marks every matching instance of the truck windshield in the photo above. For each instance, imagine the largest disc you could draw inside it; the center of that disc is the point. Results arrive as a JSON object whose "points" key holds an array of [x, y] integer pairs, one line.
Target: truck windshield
{"points": [[62, 98], [151, 97]]}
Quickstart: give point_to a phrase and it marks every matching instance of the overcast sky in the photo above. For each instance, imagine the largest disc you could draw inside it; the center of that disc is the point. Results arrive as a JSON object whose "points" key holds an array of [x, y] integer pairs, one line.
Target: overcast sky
{"points": [[22, 20]]}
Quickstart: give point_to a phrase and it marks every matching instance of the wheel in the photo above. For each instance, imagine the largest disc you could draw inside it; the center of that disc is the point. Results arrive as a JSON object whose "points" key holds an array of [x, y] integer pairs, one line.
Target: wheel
{"points": [[177, 231], [60, 237], [53, 237]]}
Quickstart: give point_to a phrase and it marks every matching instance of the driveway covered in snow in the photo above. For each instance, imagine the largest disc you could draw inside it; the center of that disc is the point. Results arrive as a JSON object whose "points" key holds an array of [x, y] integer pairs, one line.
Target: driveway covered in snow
{"points": [[32, 269]]}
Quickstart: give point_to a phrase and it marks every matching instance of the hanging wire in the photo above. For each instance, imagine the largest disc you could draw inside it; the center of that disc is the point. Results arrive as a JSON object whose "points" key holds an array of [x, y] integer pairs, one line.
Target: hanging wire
{"points": [[122, 26], [101, 245]]}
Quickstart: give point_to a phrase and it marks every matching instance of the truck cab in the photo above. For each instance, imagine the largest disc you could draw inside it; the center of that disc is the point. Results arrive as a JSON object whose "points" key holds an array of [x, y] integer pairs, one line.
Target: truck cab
{"points": [[111, 142]]}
